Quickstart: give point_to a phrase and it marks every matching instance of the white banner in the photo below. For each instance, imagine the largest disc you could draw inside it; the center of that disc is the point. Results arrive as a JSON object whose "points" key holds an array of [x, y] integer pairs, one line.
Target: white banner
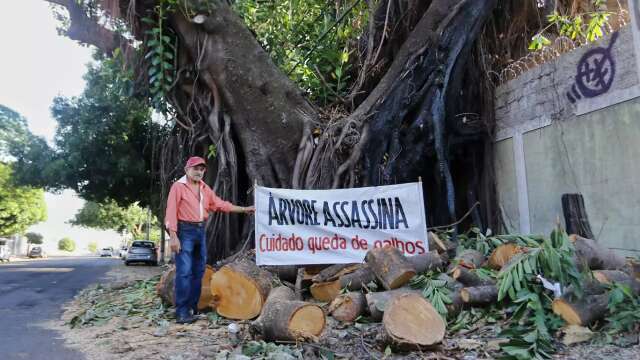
{"points": [[296, 227]]}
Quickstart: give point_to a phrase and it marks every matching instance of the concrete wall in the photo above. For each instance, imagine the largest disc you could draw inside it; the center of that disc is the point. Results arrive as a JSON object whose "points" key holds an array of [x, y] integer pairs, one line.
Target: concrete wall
{"points": [[553, 139]]}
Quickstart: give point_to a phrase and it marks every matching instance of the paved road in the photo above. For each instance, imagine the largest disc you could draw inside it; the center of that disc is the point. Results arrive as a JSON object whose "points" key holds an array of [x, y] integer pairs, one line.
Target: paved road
{"points": [[32, 292]]}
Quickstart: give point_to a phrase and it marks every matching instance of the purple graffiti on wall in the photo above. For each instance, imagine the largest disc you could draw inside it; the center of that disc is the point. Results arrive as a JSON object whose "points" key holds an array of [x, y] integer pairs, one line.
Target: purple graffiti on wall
{"points": [[595, 72]]}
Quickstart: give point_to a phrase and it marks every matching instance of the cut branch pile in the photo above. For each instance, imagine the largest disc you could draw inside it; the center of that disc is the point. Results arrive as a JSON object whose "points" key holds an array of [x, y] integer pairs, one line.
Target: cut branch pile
{"points": [[411, 297]]}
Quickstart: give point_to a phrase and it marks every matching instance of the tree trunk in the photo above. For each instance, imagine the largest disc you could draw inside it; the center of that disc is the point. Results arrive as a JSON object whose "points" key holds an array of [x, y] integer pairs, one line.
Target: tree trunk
{"points": [[285, 319], [575, 215], [410, 321], [347, 307], [228, 94], [390, 266], [240, 290]]}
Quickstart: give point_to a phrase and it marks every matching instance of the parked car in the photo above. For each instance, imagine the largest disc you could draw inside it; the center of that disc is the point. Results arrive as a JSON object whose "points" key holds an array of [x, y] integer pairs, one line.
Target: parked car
{"points": [[37, 252], [4, 252], [123, 252], [106, 252], [142, 251]]}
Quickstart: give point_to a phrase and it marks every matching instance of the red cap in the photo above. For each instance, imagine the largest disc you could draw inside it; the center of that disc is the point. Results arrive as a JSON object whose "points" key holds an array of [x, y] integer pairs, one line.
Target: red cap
{"points": [[194, 161]]}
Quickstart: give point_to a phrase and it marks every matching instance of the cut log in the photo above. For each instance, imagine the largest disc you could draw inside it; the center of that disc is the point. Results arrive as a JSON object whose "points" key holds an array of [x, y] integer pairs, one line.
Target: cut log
{"points": [[595, 257], [469, 258], [286, 319], [390, 266], [575, 215], [469, 277], [457, 304], [283, 272], [479, 295], [299, 283], [632, 268], [167, 285], [347, 307], [240, 289], [581, 312], [377, 301], [333, 272], [356, 280], [410, 321], [430, 261], [617, 276], [206, 298], [166, 288], [436, 244], [502, 254]]}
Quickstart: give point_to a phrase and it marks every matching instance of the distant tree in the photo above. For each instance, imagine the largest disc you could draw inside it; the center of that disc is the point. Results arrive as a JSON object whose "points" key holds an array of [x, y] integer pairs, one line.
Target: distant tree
{"points": [[34, 238], [93, 247], [66, 244], [110, 216], [106, 122], [20, 206], [13, 128]]}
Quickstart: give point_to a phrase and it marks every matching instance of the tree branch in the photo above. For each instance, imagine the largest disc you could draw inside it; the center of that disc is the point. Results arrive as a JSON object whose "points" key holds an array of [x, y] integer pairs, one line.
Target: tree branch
{"points": [[87, 30]]}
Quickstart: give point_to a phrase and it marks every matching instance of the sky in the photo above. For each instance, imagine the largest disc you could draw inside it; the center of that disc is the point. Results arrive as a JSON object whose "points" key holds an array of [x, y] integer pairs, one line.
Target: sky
{"points": [[37, 65]]}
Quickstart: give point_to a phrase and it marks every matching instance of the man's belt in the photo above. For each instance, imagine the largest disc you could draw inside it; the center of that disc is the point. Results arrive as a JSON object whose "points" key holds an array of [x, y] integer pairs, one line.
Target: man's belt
{"points": [[197, 223]]}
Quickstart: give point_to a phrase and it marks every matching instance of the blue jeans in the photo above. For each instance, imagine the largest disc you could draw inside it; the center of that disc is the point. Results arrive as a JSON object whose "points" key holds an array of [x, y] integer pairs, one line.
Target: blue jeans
{"points": [[190, 266]]}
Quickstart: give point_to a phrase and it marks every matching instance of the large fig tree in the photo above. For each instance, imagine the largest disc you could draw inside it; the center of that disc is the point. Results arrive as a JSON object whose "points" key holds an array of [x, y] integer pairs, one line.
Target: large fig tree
{"points": [[417, 106]]}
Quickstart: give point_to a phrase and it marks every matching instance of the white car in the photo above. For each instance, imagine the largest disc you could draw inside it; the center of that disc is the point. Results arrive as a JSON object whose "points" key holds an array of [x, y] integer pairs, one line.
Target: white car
{"points": [[106, 252]]}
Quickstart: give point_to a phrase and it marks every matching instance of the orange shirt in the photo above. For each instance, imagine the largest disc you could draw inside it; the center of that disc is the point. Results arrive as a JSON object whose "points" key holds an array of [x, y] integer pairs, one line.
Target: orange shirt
{"points": [[185, 204]]}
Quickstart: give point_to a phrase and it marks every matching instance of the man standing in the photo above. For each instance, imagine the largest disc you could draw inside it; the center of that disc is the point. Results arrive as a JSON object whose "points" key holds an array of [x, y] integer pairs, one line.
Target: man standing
{"points": [[188, 206]]}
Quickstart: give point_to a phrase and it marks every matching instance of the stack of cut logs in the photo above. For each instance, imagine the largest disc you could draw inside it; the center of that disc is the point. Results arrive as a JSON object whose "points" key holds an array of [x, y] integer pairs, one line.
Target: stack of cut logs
{"points": [[274, 295]]}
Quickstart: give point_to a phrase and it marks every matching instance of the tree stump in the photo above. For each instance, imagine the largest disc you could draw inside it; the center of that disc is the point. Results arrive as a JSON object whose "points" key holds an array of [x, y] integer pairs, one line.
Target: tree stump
{"points": [[390, 267], [240, 289], [502, 254], [347, 307], [410, 321], [479, 295], [356, 280], [286, 319], [575, 215]]}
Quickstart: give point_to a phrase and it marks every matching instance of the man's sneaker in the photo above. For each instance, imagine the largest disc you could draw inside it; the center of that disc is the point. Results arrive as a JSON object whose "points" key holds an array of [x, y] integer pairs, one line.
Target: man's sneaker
{"points": [[188, 319]]}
